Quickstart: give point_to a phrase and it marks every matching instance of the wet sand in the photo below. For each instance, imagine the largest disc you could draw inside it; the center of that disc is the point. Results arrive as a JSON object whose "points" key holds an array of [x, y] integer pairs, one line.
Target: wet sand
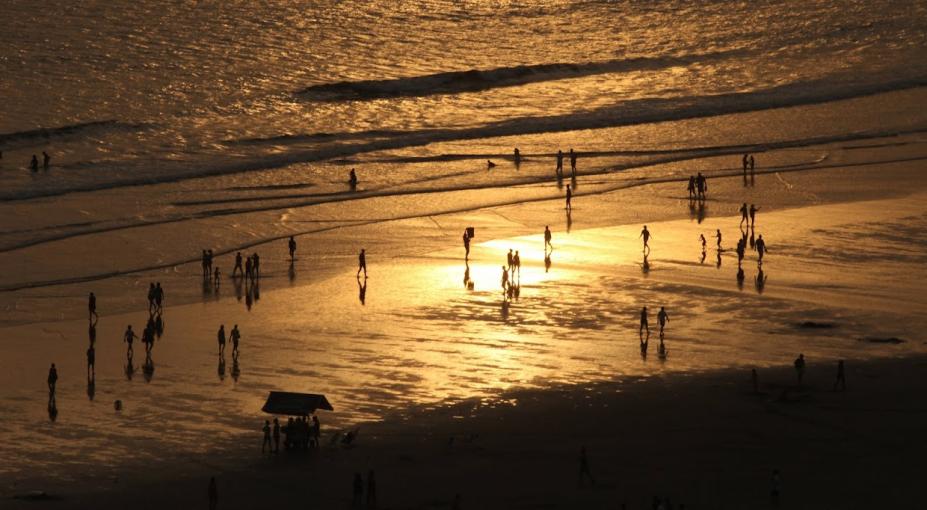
{"points": [[846, 250]]}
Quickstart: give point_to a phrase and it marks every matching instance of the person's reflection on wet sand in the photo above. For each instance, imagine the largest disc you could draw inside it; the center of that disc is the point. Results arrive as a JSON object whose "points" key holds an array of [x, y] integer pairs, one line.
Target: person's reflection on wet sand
{"points": [[129, 368], [236, 370], [569, 220], [249, 299], [703, 257], [238, 288], [740, 278], [661, 350], [148, 368], [52, 410], [760, 282], [718, 261], [645, 342], [466, 279], [362, 291], [505, 308], [701, 212], [291, 272], [92, 333], [207, 288], [159, 326], [752, 238], [91, 387], [221, 368], [645, 265]]}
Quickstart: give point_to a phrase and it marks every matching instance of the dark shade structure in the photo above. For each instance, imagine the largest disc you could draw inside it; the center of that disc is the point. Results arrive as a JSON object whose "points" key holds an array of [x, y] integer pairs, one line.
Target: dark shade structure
{"points": [[295, 404]]}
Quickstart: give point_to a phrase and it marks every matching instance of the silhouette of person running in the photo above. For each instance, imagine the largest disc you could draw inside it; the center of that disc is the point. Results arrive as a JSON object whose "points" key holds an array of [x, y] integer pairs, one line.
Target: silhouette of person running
{"points": [[743, 213], [559, 162], [584, 471], [718, 237], [46, 160], [362, 263], [753, 210], [34, 164], [517, 157], [547, 237], [662, 319], [841, 377], [761, 248], [800, 368], [220, 337], [644, 324], [238, 265], [645, 235], [213, 493], [466, 243], [52, 381], [292, 245], [235, 336], [266, 445], [569, 198], [92, 306], [352, 179], [691, 186], [91, 360], [572, 162], [128, 337]]}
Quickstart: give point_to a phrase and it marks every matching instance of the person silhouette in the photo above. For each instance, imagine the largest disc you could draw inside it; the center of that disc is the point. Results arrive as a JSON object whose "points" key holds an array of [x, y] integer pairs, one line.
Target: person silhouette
{"points": [[358, 487], [841, 380], [752, 164], [753, 210], [800, 368], [760, 248], [517, 158], [216, 277], [662, 319], [238, 266], [362, 263], [34, 164], [46, 160], [547, 238], [466, 243], [547, 263], [352, 179], [701, 238], [569, 198], [128, 337], [92, 306], [91, 359], [362, 290], [213, 493], [516, 260], [645, 235], [740, 277], [743, 213], [644, 324], [159, 297], [505, 279], [510, 260], [559, 162], [235, 337], [691, 187], [52, 381], [220, 337], [276, 435], [292, 245], [718, 237], [745, 162], [572, 162], [584, 471], [266, 444]]}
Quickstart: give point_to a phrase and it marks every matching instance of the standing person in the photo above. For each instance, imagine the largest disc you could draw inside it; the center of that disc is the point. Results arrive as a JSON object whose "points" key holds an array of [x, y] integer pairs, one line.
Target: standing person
{"points": [[159, 297], [358, 490], [46, 160], [213, 493], [584, 471], [718, 237], [761, 248], [34, 164], [800, 368], [91, 360], [362, 263], [235, 336], [220, 337], [559, 162], [92, 306], [516, 260], [266, 444], [752, 163], [517, 157], [216, 276], [662, 318], [205, 264], [743, 214], [644, 323], [237, 265], [645, 235], [841, 377], [276, 436], [691, 187], [505, 279], [371, 490], [466, 243], [256, 265], [151, 297], [547, 238], [572, 162], [510, 260], [352, 179], [208, 263], [569, 198], [249, 268], [292, 246], [128, 337], [52, 380], [745, 163], [753, 210]]}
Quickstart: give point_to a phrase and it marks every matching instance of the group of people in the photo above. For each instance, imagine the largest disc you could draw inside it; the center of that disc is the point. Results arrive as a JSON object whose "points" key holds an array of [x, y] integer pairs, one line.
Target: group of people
{"points": [[34, 162], [299, 433], [155, 299], [252, 266], [697, 187], [559, 169]]}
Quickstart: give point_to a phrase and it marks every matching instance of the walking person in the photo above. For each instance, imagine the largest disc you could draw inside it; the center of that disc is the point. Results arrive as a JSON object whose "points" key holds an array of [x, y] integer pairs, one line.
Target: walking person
{"points": [[52, 381], [92, 306], [266, 444], [691, 187], [547, 238], [753, 210], [362, 263], [238, 265], [743, 213], [800, 368], [159, 297], [572, 162], [505, 279], [701, 238], [745, 163], [516, 260], [841, 377], [256, 265], [128, 337], [235, 336], [466, 243], [569, 198], [584, 471], [718, 237], [559, 163], [276, 436], [662, 319], [34, 164], [760, 248], [510, 261], [644, 322], [292, 246], [645, 235], [220, 337]]}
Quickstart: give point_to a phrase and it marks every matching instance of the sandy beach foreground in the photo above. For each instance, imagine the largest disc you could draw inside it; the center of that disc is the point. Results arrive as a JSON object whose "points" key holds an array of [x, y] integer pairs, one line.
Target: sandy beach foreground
{"points": [[704, 440]]}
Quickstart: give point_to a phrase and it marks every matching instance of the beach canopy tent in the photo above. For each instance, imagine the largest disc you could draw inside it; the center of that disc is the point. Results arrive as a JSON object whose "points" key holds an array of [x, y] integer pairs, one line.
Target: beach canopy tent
{"points": [[295, 404]]}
